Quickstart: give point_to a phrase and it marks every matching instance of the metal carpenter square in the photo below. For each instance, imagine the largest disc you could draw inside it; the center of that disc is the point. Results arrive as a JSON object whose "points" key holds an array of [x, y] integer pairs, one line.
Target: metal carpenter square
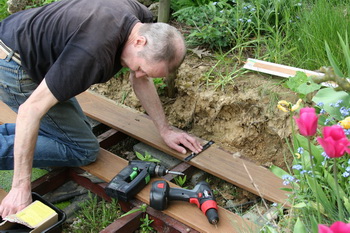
{"points": [[192, 155]]}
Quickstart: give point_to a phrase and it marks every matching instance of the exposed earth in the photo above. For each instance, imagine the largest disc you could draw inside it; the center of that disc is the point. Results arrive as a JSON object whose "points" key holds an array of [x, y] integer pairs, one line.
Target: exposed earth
{"points": [[242, 118]]}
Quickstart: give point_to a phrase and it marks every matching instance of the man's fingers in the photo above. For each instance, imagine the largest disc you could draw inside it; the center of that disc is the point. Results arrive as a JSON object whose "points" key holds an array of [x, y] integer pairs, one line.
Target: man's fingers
{"points": [[5, 212], [195, 143], [179, 148], [179, 141], [191, 143]]}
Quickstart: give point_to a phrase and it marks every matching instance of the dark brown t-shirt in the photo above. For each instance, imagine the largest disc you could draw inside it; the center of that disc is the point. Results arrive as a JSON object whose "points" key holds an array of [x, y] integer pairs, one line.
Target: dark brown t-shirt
{"points": [[72, 43]]}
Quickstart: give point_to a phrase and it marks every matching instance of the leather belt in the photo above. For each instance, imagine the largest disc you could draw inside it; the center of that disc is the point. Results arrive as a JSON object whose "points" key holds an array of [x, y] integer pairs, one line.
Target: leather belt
{"points": [[8, 51]]}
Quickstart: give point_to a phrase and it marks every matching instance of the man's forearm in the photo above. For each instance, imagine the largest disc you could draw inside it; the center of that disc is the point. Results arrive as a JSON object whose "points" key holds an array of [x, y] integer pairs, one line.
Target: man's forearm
{"points": [[147, 94], [27, 126]]}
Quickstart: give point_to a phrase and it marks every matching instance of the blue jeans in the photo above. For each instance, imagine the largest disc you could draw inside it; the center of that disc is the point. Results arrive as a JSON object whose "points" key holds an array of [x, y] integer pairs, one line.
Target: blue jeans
{"points": [[65, 136]]}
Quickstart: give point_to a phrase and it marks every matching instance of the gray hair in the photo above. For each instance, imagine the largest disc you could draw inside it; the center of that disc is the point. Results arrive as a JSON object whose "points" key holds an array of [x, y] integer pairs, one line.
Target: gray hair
{"points": [[163, 41]]}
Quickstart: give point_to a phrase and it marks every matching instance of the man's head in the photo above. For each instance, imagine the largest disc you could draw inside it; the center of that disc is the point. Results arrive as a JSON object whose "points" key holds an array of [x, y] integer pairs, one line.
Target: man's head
{"points": [[155, 50]]}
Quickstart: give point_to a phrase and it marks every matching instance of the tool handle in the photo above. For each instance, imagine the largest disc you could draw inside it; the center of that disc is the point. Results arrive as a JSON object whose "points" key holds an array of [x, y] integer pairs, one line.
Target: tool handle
{"points": [[125, 185]]}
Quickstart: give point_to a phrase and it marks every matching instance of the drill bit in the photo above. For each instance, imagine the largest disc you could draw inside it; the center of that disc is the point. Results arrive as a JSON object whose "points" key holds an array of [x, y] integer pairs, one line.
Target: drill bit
{"points": [[175, 173]]}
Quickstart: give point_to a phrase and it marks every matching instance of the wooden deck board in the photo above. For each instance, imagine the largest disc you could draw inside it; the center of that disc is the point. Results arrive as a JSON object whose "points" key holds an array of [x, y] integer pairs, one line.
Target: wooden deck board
{"points": [[242, 173], [6, 114], [3, 193], [108, 165]]}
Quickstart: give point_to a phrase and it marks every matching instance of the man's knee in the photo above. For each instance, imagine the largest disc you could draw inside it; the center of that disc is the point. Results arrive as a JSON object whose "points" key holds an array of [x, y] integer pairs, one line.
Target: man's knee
{"points": [[91, 154]]}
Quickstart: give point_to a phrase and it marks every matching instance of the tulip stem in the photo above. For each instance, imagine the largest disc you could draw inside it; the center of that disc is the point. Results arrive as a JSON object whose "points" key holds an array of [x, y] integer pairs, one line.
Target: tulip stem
{"points": [[314, 180], [340, 206]]}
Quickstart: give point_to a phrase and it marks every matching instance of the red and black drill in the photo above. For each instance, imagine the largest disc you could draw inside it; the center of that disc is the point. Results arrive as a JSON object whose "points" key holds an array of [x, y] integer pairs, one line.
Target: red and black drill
{"points": [[201, 195]]}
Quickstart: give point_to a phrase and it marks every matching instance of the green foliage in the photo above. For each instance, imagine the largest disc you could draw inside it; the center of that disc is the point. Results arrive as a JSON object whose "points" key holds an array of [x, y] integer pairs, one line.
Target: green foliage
{"points": [[302, 84], [160, 85], [224, 71], [146, 157], [333, 104], [142, 208], [320, 185], [7, 175], [145, 226], [38, 3], [63, 204], [181, 181], [337, 63], [96, 215], [225, 77], [216, 24], [180, 4], [319, 21], [3, 9], [123, 71], [226, 23]]}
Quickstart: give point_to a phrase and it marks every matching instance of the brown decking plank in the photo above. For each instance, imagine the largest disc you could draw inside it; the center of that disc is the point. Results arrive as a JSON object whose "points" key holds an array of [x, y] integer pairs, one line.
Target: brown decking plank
{"points": [[3, 193], [108, 165], [251, 177], [6, 114]]}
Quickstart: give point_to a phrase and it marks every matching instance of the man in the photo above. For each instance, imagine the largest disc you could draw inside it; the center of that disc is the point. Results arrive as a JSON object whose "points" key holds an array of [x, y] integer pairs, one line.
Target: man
{"points": [[50, 54]]}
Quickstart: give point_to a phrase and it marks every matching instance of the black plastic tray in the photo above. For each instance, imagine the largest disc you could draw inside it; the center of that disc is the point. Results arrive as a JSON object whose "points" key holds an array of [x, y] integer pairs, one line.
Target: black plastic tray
{"points": [[57, 227]]}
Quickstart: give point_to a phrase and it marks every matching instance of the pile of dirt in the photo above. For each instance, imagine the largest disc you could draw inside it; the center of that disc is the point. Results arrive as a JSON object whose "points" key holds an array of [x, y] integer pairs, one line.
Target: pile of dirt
{"points": [[242, 118]]}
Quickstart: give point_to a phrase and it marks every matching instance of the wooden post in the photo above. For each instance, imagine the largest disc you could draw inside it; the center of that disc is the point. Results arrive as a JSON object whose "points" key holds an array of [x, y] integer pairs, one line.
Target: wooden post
{"points": [[170, 84], [164, 11]]}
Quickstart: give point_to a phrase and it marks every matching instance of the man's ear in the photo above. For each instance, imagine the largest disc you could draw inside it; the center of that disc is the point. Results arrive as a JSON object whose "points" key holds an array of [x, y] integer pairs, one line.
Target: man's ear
{"points": [[140, 41]]}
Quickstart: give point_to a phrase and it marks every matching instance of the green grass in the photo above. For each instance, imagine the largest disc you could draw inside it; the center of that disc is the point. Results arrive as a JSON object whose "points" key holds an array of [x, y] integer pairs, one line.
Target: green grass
{"points": [[6, 177], [319, 23]]}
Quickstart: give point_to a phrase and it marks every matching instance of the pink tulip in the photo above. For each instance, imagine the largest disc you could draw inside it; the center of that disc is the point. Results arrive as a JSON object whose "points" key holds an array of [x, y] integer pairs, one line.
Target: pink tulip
{"points": [[307, 121], [334, 141], [337, 227]]}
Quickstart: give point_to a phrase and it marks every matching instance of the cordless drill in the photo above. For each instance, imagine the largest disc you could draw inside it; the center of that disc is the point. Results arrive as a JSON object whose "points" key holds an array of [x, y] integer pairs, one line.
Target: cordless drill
{"points": [[201, 195], [133, 178]]}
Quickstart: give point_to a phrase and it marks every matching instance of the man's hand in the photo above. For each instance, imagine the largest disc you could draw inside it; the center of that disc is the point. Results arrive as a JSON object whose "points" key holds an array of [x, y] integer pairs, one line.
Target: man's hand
{"points": [[174, 138], [16, 200]]}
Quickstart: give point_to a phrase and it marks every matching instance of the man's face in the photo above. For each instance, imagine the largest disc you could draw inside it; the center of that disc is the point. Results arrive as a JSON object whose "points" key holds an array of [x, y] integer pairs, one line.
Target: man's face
{"points": [[143, 68]]}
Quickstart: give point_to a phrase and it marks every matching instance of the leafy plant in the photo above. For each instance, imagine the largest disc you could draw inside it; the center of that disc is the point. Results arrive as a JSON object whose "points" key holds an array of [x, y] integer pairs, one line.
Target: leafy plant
{"points": [[145, 222], [214, 24], [180, 181], [160, 85], [146, 227], [302, 84], [224, 71], [3, 9], [142, 208], [122, 72], [180, 4], [96, 215], [146, 157]]}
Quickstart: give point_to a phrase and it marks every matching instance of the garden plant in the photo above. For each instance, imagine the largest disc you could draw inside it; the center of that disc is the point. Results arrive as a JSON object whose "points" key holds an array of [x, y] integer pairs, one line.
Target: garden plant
{"points": [[320, 171]]}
